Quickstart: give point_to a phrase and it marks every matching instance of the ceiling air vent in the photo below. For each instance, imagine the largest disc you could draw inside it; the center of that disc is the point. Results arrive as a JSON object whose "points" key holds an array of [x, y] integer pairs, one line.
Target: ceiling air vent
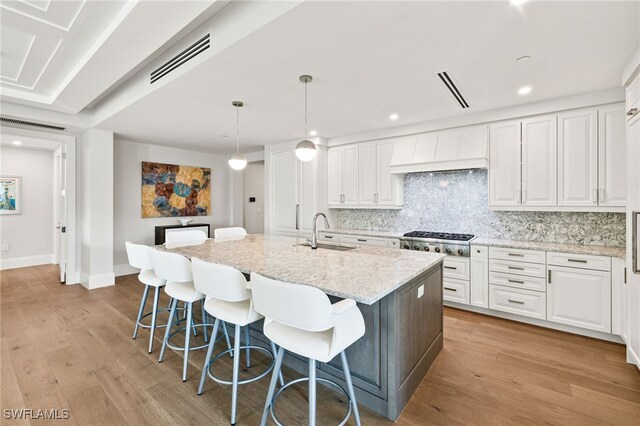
{"points": [[448, 82], [30, 123], [187, 54]]}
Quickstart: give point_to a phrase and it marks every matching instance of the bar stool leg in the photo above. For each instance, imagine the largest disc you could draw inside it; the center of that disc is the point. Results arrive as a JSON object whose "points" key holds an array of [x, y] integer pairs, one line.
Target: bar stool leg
{"points": [[145, 294], [247, 339], [236, 368], [204, 320], [312, 392], [174, 305], [275, 352], [187, 339], [272, 385], [352, 395], [154, 314], [226, 336], [207, 360]]}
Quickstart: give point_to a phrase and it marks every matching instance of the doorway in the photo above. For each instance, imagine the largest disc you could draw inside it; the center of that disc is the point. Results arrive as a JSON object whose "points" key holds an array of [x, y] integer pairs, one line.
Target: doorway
{"points": [[253, 204]]}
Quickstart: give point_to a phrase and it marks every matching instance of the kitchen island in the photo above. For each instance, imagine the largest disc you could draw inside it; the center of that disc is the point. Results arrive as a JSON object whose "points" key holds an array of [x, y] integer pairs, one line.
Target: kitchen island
{"points": [[398, 291]]}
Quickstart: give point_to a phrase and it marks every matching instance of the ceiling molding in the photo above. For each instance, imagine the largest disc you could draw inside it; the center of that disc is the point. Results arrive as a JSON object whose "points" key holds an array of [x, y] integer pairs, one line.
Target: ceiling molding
{"points": [[35, 83], [24, 60], [65, 28], [34, 4]]}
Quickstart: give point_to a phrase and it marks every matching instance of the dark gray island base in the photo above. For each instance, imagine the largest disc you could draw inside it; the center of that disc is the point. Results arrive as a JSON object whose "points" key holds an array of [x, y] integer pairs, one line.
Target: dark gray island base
{"points": [[403, 337]]}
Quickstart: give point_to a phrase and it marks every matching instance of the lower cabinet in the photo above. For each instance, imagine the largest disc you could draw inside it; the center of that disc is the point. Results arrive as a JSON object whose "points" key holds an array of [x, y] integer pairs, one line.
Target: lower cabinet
{"points": [[579, 297], [515, 301], [479, 285], [454, 290]]}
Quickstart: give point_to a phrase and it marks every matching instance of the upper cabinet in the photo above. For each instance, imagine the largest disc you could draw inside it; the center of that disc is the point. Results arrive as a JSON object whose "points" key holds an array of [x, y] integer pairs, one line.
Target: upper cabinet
{"points": [[573, 161], [359, 176]]}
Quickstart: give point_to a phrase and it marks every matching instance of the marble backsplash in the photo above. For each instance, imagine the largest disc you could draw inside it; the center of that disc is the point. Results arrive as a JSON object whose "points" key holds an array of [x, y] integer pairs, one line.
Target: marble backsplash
{"points": [[457, 201]]}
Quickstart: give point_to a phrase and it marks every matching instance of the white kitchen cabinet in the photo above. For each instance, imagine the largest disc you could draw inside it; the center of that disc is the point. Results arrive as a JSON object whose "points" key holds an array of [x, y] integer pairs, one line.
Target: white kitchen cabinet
{"points": [[360, 176], [367, 173], [539, 151], [479, 291], [579, 297], [517, 301], [612, 155], [455, 290], [578, 158], [504, 164], [633, 97], [295, 191], [342, 176]]}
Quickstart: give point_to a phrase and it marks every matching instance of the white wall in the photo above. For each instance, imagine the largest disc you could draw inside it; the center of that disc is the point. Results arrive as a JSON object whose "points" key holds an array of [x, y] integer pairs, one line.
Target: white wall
{"points": [[30, 234], [128, 223], [254, 187], [97, 208]]}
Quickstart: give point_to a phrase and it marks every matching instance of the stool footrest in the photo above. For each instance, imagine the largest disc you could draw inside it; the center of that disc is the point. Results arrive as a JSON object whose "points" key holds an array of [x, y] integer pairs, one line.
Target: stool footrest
{"points": [[306, 379], [140, 324], [181, 348], [241, 382]]}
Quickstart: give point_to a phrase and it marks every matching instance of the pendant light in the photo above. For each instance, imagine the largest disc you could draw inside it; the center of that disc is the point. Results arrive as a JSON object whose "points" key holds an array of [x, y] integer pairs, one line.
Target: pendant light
{"points": [[305, 149], [238, 161]]}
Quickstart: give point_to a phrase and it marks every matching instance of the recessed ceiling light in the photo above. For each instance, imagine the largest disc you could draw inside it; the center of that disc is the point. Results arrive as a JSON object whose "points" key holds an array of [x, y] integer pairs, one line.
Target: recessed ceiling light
{"points": [[523, 59], [524, 90], [313, 133], [394, 117], [17, 143]]}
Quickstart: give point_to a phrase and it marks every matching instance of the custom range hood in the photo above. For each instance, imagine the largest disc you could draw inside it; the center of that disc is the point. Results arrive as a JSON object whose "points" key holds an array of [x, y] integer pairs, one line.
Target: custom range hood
{"points": [[452, 149]]}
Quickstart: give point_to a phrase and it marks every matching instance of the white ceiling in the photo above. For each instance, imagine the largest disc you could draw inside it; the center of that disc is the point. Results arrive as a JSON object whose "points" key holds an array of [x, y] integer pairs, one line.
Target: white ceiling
{"points": [[7, 138], [62, 55], [370, 59]]}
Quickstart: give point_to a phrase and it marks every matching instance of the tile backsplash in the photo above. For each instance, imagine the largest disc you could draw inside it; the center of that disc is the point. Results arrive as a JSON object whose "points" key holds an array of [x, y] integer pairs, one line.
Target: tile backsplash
{"points": [[457, 201]]}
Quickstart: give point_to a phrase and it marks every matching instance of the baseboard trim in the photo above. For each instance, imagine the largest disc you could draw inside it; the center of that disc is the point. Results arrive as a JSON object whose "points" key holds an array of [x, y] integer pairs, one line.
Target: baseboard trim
{"points": [[632, 358], [124, 269], [540, 323], [92, 282], [24, 262]]}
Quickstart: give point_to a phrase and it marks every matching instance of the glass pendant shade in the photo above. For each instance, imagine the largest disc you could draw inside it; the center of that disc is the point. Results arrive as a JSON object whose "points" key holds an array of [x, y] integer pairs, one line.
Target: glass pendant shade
{"points": [[238, 161], [306, 150]]}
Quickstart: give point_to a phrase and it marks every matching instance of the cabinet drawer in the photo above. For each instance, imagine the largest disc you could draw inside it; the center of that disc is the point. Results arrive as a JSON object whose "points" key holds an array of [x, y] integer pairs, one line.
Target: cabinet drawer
{"points": [[518, 281], [515, 301], [481, 251], [520, 255], [455, 290], [518, 268], [363, 241], [456, 267], [583, 261], [329, 237], [393, 243]]}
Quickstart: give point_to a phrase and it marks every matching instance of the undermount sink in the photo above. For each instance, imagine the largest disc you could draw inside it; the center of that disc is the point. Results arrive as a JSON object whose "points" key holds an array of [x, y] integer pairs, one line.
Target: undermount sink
{"points": [[328, 247]]}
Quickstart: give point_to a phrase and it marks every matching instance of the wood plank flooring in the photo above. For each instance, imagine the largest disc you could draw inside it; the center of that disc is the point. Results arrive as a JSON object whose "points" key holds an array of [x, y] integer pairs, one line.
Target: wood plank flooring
{"points": [[69, 348]]}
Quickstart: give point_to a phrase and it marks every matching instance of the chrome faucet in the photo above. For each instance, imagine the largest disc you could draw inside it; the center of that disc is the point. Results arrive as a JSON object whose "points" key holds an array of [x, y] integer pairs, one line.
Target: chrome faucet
{"points": [[314, 235]]}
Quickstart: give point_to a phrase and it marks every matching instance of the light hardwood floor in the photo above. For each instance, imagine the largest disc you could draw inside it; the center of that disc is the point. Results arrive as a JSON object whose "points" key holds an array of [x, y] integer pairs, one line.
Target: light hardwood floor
{"points": [[66, 347]]}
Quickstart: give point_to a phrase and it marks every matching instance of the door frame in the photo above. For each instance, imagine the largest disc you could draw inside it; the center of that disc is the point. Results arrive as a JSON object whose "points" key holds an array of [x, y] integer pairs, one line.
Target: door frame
{"points": [[69, 142]]}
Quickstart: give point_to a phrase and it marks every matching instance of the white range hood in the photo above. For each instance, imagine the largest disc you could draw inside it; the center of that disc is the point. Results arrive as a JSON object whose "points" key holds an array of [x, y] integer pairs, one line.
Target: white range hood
{"points": [[452, 149]]}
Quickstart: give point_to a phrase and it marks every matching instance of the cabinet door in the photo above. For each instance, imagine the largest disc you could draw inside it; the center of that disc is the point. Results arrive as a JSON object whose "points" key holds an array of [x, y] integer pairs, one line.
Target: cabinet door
{"points": [[479, 293], [284, 188], [385, 181], [306, 187], [612, 156], [579, 297], [334, 170], [578, 158], [504, 164], [367, 173], [350, 175], [633, 279], [539, 161]]}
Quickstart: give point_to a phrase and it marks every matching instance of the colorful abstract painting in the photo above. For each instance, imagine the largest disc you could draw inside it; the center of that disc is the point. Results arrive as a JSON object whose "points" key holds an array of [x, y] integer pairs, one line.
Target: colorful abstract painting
{"points": [[169, 190], [10, 196]]}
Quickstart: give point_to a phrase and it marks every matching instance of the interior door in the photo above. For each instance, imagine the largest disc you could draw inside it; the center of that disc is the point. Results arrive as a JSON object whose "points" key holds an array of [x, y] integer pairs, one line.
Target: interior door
{"points": [[62, 214]]}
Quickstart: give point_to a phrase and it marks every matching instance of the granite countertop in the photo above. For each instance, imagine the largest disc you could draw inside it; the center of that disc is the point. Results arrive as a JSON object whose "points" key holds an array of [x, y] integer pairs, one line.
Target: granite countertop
{"points": [[558, 247], [365, 274], [382, 234]]}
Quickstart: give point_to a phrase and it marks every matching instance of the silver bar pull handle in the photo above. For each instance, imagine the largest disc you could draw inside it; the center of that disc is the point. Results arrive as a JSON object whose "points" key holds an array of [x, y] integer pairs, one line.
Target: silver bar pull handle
{"points": [[519, 302], [634, 242], [632, 112], [516, 254], [549, 276], [450, 267], [577, 260], [517, 268], [297, 216], [328, 237], [516, 281], [362, 240], [595, 196], [451, 289]]}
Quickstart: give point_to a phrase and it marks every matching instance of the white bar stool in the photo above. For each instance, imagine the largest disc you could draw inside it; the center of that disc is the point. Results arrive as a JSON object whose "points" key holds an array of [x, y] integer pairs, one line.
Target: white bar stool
{"points": [[229, 233], [228, 299], [302, 320], [176, 270], [140, 257]]}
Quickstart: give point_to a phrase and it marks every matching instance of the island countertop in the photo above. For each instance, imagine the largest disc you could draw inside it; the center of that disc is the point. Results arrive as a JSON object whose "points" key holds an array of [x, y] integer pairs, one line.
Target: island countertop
{"points": [[364, 274]]}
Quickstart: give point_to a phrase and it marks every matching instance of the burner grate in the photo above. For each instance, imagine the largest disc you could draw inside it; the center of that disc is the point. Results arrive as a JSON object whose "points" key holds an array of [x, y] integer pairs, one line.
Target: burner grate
{"points": [[439, 235]]}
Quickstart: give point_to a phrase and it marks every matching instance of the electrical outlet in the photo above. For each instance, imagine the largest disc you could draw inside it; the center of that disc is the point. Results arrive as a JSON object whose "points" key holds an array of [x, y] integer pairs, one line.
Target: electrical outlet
{"points": [[5, 247], [420, 291]]}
